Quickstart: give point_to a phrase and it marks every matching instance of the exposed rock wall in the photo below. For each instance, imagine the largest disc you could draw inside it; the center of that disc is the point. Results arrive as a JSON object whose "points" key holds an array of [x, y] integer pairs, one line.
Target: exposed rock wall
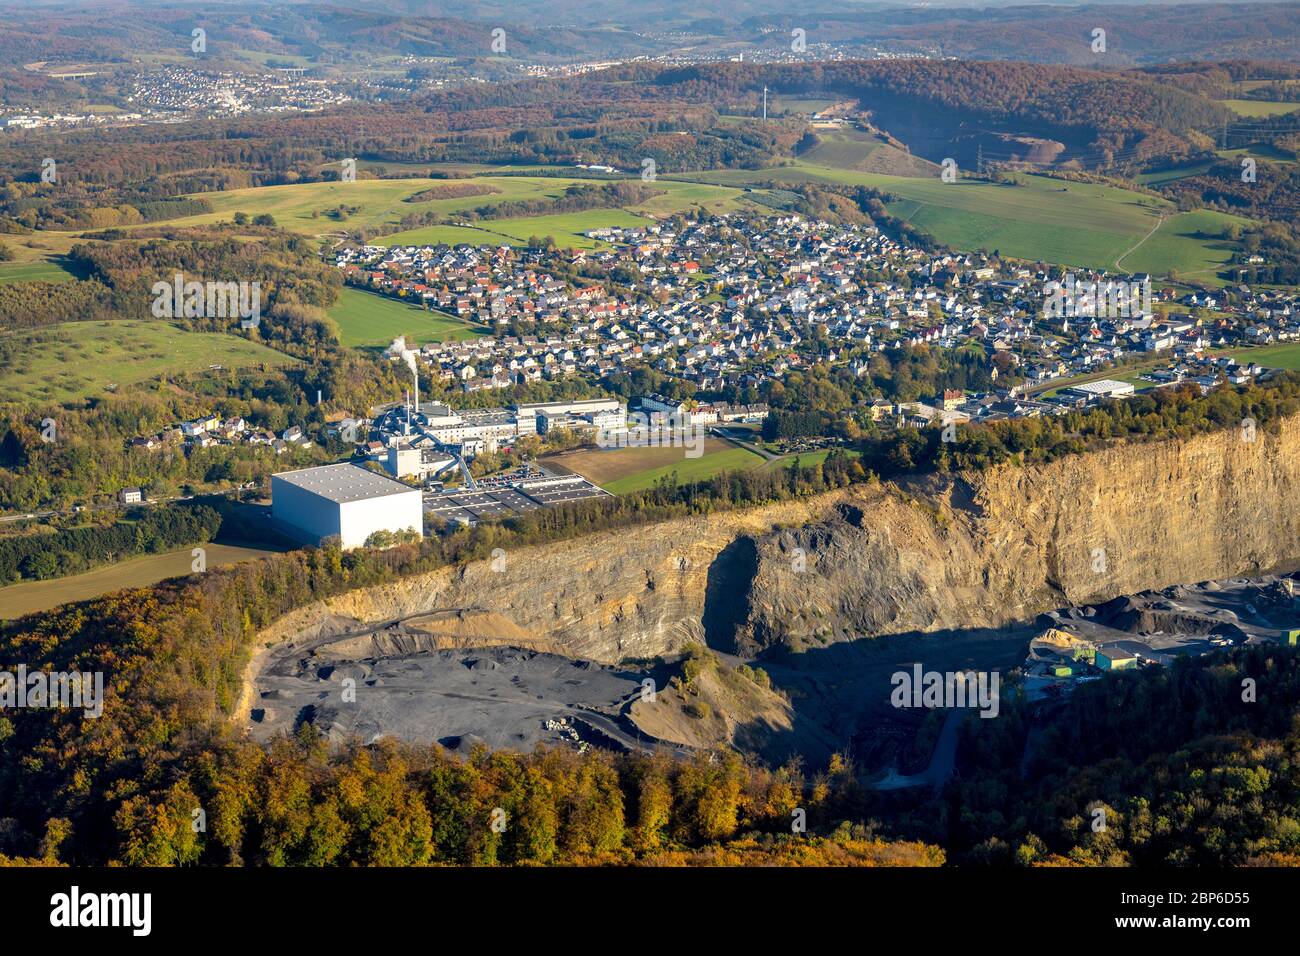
{"points": [[869, 561]]}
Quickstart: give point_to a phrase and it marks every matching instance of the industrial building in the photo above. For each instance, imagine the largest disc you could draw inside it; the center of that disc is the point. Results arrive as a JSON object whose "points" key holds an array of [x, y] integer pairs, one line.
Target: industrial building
{"points": [[346, 501], [414, 461], [597, 414], [1111, 658], [473, 431], [1103, 388]]}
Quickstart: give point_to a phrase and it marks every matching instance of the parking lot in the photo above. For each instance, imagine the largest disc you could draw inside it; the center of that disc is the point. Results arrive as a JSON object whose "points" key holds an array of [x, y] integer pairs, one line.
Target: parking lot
{"points": [[495, 500]]}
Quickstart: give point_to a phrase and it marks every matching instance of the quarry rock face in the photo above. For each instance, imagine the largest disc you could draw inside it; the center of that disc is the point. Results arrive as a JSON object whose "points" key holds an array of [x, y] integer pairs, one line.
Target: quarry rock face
{"points": [[942, 552]]}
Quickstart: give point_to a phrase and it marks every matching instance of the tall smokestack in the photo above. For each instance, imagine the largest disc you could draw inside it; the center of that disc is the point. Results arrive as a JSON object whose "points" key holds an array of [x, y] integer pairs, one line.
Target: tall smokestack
{"points": [[416, 377], [406, 400]]}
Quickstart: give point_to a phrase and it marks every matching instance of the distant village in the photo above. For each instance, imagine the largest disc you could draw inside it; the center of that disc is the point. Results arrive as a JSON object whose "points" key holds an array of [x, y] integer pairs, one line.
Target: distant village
{"points": [[175, 93]]}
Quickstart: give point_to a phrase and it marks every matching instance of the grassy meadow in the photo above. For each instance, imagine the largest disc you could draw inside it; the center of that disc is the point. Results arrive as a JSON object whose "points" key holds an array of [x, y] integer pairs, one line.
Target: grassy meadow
{"points": [[77, 360], [369, 320]]}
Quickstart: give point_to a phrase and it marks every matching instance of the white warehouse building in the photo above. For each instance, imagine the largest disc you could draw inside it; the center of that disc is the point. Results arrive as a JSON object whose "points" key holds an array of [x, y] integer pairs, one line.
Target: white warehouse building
{"points": [[344, 501]]}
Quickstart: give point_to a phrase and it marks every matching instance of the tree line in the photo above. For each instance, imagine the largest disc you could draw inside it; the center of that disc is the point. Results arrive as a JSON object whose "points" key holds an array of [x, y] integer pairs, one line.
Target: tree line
{"points": [[40, 554], [1174, 412]]}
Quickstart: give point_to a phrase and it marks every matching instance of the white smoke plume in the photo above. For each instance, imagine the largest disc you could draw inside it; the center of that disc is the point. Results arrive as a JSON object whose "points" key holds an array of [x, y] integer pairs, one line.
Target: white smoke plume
{"points": [[408, 355]]}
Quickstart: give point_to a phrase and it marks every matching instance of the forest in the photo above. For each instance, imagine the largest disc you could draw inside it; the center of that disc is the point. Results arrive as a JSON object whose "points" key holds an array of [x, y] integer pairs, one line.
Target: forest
{"points": [[75, 549], [1193, 764]]}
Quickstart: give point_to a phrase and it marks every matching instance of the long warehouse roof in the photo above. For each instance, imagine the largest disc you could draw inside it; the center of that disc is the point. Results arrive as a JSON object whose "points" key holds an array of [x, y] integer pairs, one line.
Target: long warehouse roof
{"points": [[345, 482]]}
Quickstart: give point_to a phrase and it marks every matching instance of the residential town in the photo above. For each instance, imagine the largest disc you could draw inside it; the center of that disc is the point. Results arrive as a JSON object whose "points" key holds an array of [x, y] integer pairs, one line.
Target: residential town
{"points": [[734, 303], [173, 94], [732, 306], [178, 92]]}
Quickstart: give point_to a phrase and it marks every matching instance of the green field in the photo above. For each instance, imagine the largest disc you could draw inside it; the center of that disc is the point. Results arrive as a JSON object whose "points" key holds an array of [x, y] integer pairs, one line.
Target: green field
{"points": [[1080, 224], [379, 203], [799, 104], [1283, 355], [370, 320], [843, 148], [1164, 176], [718, 457], [1190, 243], [807, 459], [33, 271], [75, 360], [680, 196], [567, 228], [688, 469], [1258, 108]]}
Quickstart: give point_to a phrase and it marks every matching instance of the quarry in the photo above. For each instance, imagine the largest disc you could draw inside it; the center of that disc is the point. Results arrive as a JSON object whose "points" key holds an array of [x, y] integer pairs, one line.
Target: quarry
{"points": [[827, 596]]}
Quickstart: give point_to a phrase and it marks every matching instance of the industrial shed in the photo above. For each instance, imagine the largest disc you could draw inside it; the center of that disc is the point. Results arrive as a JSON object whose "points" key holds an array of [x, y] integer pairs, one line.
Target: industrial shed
{"points": [[344, 501]]}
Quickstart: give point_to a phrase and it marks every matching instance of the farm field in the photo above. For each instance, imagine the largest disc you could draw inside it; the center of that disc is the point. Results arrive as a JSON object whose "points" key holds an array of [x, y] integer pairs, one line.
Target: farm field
{"points": [[857, 150], [74, 360], [1257, 151], [1258, 108], [680, 196], [567, 228], [843, 148], [447, 235], [369, 320], [1080, 224], [1164, 176], [380, 202], [623, 470], [28, 597], [1283, 355], [44, 247], [602, 465], [806, 459], [1189, 243], [799, 104], [686, 469], [39, 270]]}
